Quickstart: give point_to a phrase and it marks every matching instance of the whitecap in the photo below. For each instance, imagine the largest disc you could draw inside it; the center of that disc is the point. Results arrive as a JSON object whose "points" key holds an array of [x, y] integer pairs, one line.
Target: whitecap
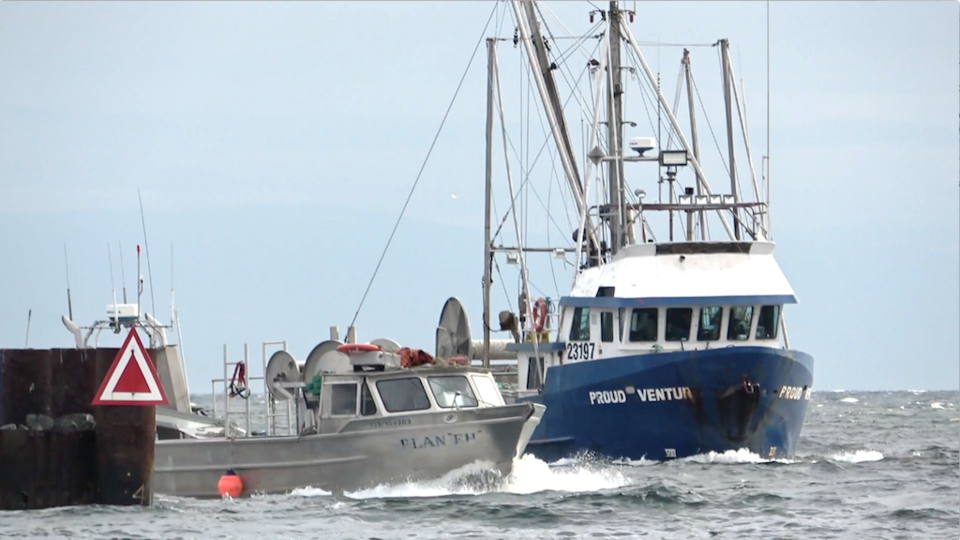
{"points": [[936, 405], [741, 455], [849, 400], [857, 456], [310, 492]]}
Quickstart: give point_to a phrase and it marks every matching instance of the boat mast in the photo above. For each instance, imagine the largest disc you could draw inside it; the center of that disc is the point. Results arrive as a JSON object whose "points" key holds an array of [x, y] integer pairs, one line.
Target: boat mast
{"points": [[728, 104], [693, 132], [488, 196], [615, 217], [543, 76], [550, 84]]}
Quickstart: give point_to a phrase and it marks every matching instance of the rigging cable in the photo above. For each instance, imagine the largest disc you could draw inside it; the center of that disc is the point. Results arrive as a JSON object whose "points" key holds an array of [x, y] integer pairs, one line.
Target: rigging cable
{"points": [[536, 159], [146, 248], [422, 167]]}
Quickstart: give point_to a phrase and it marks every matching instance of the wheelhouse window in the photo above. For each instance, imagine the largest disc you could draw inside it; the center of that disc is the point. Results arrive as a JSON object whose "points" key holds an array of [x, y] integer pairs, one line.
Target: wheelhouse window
{"points": [[643, 324], [678, 324], [367, 405], [710, 319], [768, 322], [738, 328], [401, 395], [489, 393], [452, 391], [580, 326], [606, 326], [343, 399]]}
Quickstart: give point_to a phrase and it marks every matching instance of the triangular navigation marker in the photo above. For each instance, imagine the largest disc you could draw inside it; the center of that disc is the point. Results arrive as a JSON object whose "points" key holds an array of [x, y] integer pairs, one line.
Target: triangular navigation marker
{"points": [[131, 379]]}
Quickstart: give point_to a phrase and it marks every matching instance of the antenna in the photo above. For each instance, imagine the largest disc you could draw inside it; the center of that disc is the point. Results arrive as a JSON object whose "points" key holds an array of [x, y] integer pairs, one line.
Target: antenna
{"points": [[146, 248], [67, 269], [172, 307], [110, 260], [123, 278], [175, 317], [139, 282], [26, 344], [113, 291]]}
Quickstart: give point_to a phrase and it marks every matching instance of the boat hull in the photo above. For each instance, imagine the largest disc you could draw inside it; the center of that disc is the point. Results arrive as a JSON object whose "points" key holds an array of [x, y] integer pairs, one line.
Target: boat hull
{"points": [[675, 404], [364, 454]]}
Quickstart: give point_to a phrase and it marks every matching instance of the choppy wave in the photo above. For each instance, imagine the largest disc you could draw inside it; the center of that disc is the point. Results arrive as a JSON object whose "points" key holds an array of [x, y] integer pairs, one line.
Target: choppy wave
{"points": [[857, 456], [889, 474], [310, 492], [734, 456]]}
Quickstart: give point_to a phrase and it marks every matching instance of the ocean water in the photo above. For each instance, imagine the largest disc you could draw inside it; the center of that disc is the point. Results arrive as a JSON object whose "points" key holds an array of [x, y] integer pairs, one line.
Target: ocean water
{"points": [[871, 465]]}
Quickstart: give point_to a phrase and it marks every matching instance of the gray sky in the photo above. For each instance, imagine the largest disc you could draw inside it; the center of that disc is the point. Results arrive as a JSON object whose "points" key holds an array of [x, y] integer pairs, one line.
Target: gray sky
{"points": [[274, 145]]}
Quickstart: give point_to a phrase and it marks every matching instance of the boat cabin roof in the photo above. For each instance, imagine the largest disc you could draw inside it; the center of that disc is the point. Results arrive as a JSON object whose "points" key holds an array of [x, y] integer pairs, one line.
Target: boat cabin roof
{"points": [[688, 273]]}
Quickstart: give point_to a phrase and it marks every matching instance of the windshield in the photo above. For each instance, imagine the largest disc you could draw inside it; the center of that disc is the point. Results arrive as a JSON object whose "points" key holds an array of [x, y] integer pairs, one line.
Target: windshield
{"points": [[400, 395], [489, 393], [452, 391]]}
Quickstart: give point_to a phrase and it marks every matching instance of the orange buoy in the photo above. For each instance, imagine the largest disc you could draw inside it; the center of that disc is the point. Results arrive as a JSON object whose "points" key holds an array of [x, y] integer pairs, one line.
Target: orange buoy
{"points": [[230, 484]]}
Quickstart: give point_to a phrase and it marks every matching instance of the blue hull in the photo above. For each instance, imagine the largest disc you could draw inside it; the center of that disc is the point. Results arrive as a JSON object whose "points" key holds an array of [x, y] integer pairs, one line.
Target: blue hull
{"points": [[676, 404]]}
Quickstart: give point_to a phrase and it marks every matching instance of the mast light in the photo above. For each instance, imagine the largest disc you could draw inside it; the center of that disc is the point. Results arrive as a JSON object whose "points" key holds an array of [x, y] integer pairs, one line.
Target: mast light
{"points": [[673, 158]]}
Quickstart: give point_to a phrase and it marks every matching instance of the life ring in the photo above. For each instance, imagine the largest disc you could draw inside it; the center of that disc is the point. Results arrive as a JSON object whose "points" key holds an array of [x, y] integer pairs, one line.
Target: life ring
{"points": [[539, 314], [358, 348]]}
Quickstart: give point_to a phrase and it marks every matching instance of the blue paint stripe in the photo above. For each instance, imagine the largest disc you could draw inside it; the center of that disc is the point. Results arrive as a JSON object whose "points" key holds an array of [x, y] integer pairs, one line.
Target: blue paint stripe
{"points": [[676, 301]]}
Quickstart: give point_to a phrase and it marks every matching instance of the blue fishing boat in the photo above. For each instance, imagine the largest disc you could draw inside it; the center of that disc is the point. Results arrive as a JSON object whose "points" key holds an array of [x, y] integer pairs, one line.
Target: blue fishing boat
{"points": [[670, 343]]}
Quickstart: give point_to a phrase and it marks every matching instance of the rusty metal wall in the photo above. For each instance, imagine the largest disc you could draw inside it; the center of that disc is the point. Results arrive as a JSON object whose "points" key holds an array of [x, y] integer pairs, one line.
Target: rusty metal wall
{"points": [[41, 469], [55, 465]]}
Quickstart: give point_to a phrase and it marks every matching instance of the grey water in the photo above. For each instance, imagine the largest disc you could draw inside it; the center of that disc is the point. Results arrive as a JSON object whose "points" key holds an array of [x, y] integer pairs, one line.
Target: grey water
{"points": [[871, 465]]}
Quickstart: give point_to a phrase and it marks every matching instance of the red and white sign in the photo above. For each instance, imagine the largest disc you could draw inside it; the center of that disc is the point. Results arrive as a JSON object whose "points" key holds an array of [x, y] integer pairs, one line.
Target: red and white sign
{"points": [[131, 380]]}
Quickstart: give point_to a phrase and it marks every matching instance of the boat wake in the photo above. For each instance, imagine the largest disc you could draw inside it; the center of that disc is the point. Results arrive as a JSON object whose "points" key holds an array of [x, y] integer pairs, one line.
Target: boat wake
{"points": [[741, 455], [529, 475], [532, 475]]}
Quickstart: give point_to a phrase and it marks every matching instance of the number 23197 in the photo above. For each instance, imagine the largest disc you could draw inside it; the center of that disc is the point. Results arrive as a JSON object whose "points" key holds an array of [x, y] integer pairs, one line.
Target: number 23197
{"points": [[580, 351]]}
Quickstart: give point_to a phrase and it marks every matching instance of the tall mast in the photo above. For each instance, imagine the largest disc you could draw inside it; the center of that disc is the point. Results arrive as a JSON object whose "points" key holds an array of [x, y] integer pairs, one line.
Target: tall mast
{"points": [[546, 86], [550, 84], [614, 124], [727, 83], [488, 196], [693, 131]]}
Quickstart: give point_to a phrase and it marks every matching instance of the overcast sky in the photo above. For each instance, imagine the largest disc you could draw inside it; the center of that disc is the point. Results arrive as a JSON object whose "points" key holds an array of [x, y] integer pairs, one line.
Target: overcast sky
{"points": [[274, 145]]}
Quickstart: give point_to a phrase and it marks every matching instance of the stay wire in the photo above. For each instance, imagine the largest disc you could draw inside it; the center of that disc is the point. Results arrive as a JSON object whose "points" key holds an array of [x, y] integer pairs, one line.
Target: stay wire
{"points": [[423, 165]]}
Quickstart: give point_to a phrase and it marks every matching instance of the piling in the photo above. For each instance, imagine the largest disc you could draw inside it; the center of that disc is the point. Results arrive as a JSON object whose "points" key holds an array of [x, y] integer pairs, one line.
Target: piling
{"points": [[56, 448]]}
